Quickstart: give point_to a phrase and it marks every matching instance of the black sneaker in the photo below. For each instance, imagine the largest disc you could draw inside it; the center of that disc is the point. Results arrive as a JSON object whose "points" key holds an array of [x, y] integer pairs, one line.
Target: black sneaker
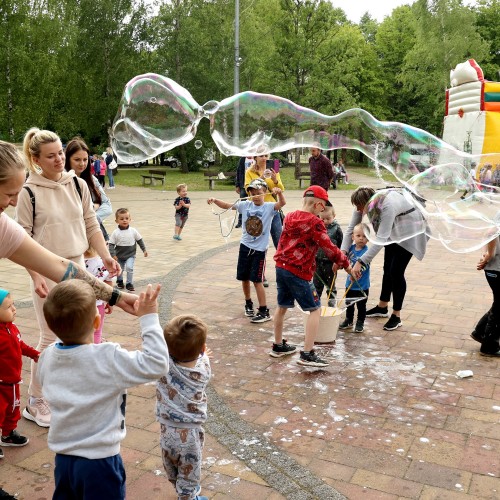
{"points": [[377, 312], [1, 454], [476, 337], [265, 283], [119, 284], [345, 324], [3, 494], [311, 359], [261, 316], [130, 287], [14, 439], [249, 311], [360, 327], [282, 349], [490, 354], [393, 323]]}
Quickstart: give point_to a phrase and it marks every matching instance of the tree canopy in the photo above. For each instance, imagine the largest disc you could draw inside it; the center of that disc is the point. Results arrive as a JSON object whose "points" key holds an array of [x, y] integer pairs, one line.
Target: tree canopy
{"points": [[66, 62]]}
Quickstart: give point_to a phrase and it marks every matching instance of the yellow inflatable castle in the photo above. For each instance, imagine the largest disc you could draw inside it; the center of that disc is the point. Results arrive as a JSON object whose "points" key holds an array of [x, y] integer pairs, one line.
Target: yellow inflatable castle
{"points": [[472, 116]]}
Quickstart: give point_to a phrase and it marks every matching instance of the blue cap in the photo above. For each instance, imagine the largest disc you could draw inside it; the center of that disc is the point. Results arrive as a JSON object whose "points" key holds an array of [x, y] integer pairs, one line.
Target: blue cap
{"points": [[3, 294]]}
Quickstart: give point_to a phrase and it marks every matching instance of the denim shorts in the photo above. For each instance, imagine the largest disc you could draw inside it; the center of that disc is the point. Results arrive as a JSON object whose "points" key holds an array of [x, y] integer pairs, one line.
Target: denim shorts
{"points": [[291, 288]]}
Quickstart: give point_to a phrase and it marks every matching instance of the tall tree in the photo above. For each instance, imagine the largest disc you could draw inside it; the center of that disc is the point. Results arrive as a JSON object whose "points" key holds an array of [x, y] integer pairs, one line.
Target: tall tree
{"points": [[488, 21], [445, 35]]}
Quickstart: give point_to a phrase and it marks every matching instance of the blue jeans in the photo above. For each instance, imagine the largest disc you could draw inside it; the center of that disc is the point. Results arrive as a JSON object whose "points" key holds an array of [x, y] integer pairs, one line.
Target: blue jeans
{"points": [[127, 266], [111, 178], [276, 228]]}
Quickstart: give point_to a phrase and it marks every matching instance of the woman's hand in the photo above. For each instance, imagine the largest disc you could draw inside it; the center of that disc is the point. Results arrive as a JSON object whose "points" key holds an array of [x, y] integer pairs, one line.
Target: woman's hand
{"points": [[356, 270], [273, 176], [41, 288], [112, 266], [485, 258]]}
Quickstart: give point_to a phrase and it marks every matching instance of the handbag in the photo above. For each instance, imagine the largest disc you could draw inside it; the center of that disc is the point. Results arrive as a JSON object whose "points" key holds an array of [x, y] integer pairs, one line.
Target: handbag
{"points": [[113, 164]]}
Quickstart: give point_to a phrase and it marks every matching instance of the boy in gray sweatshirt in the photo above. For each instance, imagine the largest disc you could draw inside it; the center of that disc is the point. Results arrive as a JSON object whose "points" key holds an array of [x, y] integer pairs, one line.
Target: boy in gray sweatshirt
{"points": [[86, 387]]}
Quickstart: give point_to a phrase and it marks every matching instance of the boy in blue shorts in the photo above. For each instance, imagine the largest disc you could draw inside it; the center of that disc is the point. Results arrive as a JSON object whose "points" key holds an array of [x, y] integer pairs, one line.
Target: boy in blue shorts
{"points": [[257, 216], [303, 233]]}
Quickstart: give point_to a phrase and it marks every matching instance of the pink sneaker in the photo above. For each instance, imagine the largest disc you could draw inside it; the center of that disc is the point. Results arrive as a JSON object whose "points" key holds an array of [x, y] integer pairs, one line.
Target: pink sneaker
{"points": [[39, 412]]}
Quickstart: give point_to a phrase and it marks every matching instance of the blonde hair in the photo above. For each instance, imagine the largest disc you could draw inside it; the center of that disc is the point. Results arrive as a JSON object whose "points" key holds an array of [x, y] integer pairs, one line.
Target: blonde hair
{"points": [[309, 201], [11, 161], [359, 227], [329, 210], [34, 139], [181, 186]]}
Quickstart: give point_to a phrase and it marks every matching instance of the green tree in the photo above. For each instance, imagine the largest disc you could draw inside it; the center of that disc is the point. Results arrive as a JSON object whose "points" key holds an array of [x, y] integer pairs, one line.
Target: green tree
{"points": [[394, 39], [445, 35], [488, 21]]}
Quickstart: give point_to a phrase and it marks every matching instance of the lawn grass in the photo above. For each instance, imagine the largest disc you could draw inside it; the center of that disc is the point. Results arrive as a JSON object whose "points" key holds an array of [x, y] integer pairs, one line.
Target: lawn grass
{"points": [[196, 180]]}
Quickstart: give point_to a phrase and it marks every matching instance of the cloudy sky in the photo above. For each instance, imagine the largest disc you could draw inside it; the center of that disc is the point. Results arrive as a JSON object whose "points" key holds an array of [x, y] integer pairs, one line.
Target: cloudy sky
{"points": [[354, 9]]}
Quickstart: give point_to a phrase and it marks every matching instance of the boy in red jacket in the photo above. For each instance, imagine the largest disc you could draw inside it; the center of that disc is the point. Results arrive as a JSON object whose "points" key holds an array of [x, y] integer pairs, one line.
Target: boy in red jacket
{"points": [[12, 348], [303, 233]]}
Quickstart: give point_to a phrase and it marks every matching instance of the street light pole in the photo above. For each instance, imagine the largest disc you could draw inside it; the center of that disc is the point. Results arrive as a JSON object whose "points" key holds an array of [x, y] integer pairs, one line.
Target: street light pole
{"points": [[236, 124]]}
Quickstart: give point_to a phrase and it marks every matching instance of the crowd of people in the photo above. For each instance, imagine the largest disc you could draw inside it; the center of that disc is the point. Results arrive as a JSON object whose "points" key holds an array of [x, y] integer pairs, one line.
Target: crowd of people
{"points": [[60, 239]]}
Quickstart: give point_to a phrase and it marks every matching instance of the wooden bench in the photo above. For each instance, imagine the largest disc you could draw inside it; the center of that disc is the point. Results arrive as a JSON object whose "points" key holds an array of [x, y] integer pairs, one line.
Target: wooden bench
{"points": [[153, 175], [304, 175], [211, 177]]}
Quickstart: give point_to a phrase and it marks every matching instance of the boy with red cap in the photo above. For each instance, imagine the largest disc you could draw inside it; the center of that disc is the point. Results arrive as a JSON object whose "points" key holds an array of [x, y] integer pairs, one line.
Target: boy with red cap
{"points": [[303, 233], [12, 349]]}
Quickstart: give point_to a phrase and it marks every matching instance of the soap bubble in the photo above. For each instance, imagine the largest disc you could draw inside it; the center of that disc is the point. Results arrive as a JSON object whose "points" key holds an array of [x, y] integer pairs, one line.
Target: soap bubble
{"points": [[198, 144], [156, 114]]}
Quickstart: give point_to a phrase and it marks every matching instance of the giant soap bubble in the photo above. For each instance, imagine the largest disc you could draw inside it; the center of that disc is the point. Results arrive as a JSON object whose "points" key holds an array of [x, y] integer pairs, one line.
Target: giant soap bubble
{"points": [[156, 114]]}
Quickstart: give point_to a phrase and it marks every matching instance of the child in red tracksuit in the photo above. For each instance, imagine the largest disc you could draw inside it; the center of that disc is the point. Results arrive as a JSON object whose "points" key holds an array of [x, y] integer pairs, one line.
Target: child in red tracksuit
{"points": [[12, 349]]}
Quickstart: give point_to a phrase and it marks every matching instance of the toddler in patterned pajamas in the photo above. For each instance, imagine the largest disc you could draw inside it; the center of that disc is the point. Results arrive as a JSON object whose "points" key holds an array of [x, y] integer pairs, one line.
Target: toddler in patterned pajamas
{"points": [[181, 406]]}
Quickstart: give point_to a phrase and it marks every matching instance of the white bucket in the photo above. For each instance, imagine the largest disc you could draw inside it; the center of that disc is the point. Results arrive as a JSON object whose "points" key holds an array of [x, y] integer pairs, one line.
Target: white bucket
{"points": [[329, 322]]}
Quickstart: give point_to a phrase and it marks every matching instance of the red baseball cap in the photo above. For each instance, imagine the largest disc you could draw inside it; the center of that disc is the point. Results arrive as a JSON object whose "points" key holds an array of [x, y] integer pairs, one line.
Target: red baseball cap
{"points": [[317, 192]]}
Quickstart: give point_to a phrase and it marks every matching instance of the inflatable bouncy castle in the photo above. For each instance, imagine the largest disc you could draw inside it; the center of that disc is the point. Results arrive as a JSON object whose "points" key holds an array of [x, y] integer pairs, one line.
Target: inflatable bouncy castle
{"points": [[472, 115]]}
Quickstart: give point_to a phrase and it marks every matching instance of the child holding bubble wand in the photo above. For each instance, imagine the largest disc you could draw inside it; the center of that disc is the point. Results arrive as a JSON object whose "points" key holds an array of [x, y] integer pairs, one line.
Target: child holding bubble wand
{"points": [[257, 218]]}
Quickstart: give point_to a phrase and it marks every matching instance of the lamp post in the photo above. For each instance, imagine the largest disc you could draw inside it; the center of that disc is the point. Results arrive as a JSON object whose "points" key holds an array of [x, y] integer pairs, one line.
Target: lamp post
{"points": [[236, 124]]}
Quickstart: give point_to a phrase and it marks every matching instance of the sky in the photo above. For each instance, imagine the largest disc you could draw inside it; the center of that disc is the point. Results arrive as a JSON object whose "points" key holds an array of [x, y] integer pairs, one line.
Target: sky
{"points": [[378, 9]]}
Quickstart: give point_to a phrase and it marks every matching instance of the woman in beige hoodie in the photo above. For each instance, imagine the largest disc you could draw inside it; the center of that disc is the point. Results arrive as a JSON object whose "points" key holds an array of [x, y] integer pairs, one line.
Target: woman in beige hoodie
{"points": [[56, 209]]}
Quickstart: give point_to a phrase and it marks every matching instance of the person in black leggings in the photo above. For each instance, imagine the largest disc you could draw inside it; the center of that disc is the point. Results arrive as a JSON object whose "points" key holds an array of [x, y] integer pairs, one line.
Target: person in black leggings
{"points": [[393, 212]]}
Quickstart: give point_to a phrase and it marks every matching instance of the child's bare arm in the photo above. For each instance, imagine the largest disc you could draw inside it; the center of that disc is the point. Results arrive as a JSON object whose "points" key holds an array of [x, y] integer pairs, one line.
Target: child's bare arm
{"points": [[220, 203], [281, 198], [147, 302]]}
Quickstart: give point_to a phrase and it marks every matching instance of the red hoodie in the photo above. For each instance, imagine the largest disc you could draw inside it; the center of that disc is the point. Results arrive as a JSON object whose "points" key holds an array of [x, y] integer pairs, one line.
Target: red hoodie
{"points": [[303, 233], [12, 349]]}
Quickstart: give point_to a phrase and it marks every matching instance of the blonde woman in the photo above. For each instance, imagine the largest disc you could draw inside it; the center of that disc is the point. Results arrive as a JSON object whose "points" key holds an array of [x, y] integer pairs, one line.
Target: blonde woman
{"points": [[56, 209], [273, 180]]}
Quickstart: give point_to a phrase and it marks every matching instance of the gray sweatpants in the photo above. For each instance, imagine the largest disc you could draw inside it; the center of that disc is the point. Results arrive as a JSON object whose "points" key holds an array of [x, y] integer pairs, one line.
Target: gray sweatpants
{"points": [[181, 451]]}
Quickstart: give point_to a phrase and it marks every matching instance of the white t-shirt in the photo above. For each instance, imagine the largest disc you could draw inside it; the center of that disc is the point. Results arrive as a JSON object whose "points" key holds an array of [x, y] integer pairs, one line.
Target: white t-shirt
{"points": [[11, 236], [259, 218]]}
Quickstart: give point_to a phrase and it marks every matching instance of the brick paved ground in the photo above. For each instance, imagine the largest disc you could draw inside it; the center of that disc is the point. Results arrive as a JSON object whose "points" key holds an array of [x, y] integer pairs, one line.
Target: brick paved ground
{"points": [[387, 419]]}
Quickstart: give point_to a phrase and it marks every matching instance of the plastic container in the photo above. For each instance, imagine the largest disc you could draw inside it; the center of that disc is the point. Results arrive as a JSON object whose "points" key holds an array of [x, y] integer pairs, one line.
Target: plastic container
{"points": [[329, 322]]}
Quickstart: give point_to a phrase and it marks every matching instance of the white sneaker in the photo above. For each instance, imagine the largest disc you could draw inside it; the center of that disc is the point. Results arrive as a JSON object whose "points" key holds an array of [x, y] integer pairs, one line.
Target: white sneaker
{"points": [[39, 412]]}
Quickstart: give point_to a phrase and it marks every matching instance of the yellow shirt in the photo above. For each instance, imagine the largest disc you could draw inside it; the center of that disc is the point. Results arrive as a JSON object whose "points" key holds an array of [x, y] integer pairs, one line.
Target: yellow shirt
{"points": [[250, 175]]}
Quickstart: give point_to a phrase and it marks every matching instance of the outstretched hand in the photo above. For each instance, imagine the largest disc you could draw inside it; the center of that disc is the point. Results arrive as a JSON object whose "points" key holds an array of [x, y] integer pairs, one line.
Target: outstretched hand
{"points": [[147, 302]]}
